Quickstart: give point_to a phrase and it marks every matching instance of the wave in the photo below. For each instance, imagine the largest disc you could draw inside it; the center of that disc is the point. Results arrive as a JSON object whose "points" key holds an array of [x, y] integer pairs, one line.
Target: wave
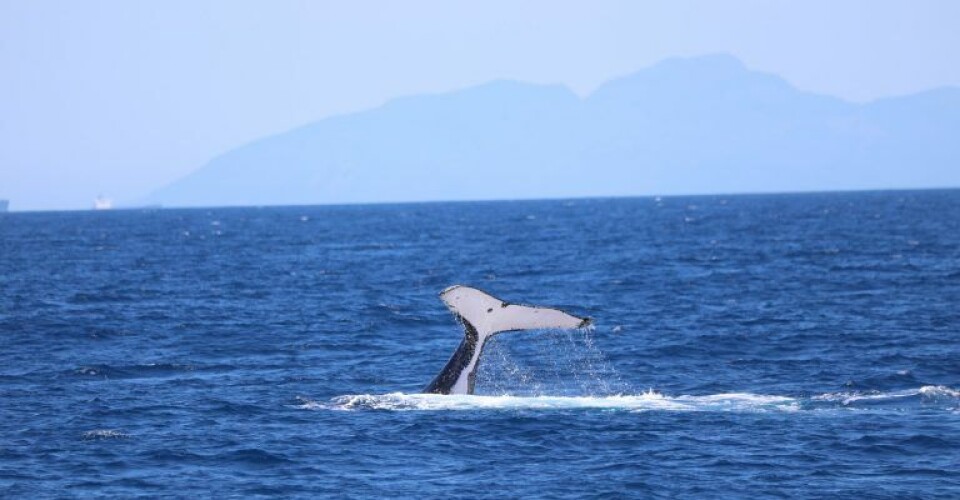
{"points": [[927, 393], [146, 370], [103, 434], [933, 396]]}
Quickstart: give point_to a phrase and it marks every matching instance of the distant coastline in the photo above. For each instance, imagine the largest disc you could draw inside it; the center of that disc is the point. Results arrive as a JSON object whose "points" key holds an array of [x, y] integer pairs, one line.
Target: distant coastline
{"points": [[697, 125]]}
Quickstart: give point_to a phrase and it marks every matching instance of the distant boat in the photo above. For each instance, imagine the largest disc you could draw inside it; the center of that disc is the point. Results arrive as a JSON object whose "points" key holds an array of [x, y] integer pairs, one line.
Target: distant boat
{"points": [[102, 203], [4, 205]]}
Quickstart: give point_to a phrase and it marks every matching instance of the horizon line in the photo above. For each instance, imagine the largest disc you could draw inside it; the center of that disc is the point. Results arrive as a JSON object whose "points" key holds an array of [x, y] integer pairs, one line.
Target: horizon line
{"points": [[493, 200]]}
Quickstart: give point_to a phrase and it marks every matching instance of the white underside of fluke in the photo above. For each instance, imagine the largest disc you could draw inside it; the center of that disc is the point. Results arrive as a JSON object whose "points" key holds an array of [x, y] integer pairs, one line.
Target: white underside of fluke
{"points": [[488, 316]]}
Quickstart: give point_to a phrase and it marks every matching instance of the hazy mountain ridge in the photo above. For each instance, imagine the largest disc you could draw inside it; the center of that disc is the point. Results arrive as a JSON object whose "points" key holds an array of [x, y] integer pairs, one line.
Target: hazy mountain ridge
{"points": [[698, 125]]}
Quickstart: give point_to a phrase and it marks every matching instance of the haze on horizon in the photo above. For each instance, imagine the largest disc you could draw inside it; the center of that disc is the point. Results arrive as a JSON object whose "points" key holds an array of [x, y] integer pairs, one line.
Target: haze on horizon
{"points": [[108, 97]]}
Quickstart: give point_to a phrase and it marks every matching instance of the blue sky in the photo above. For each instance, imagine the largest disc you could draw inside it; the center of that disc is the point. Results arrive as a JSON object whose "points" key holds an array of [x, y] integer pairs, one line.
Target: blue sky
{"points": [[119, 97]]}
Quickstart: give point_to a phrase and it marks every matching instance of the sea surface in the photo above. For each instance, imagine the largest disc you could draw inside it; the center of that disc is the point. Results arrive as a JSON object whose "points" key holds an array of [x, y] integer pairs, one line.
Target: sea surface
{"points": [[802, 345]]}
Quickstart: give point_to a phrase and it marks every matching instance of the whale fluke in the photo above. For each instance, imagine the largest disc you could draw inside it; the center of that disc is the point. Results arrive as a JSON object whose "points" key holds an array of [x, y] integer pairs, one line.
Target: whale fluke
{"points": [[484, 316]]}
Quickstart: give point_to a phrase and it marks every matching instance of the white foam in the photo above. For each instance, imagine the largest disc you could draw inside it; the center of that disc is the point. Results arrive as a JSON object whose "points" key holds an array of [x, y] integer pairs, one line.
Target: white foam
{"points": [[649, 401], [98, 434], [847, 398], [926, 392], [939, 391]]}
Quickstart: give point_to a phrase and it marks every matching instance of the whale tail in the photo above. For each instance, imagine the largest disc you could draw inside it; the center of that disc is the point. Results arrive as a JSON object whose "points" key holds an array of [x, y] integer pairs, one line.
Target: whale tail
{"points": [[484, 316], [490, 315]]}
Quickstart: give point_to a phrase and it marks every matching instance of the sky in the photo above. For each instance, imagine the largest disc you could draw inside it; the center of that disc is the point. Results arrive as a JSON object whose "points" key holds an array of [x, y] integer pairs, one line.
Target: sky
{"points": [[119, 98]]}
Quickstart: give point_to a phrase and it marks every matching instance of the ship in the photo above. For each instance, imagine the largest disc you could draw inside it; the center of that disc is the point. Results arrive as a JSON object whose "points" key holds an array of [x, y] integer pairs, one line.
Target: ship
{"points": [[4, 205], [102, 203]]}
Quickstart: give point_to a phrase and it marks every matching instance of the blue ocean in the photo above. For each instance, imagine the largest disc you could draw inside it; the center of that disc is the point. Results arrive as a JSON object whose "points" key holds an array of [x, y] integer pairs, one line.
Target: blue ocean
{"points": [[795, 345]]}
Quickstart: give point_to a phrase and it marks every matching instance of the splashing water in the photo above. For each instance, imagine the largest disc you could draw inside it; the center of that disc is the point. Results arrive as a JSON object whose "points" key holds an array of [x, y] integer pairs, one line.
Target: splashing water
{"points": [[565, 370], [643, 402], [547, 362], [929, 397]]}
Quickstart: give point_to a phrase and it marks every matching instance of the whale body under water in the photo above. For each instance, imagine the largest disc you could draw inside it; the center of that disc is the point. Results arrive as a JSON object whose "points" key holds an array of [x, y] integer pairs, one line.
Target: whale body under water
{"points": [[484, 316]]}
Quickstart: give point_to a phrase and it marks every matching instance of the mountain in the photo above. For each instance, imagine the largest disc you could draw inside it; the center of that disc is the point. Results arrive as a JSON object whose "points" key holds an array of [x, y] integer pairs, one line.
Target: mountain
{"points": [[697, 125]]}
